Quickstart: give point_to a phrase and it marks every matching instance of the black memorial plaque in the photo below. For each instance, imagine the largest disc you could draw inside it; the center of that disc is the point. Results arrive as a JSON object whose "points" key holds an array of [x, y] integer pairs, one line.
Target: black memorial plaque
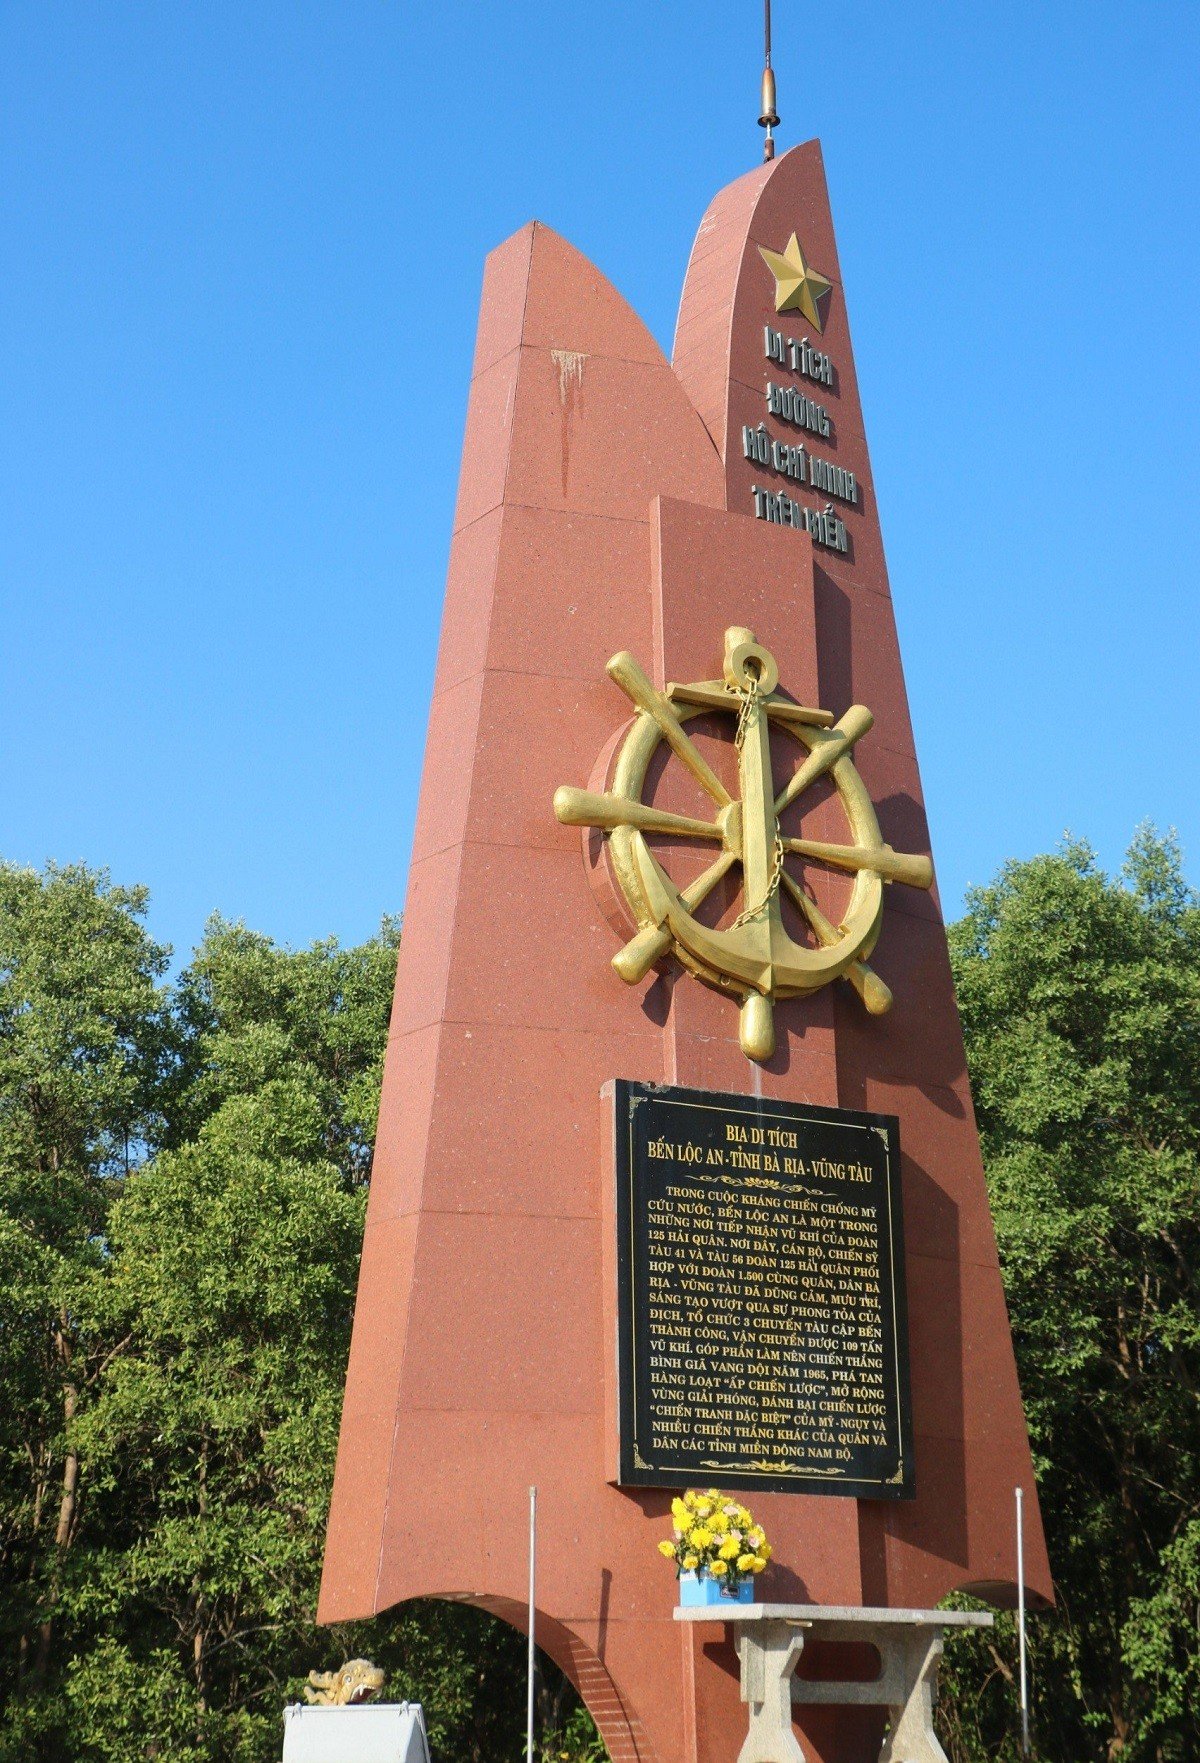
{"points": [[761, 1315]]}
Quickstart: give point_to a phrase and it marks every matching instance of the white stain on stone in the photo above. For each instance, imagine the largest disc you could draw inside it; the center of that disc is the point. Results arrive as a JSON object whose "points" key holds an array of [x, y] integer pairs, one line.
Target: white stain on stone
{"points": [[570, 372], [570, 396]]}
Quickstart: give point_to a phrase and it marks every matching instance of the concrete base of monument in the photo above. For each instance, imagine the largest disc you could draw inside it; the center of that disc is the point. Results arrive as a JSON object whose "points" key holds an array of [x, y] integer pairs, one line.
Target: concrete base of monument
{"points": [[376, 1732], [770, 1639]]}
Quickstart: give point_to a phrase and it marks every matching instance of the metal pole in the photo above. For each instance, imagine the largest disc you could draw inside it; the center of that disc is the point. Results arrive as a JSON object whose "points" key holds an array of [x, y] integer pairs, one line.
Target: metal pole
{"points": [[770, 116], [1020, 1492], [532, 1609]]}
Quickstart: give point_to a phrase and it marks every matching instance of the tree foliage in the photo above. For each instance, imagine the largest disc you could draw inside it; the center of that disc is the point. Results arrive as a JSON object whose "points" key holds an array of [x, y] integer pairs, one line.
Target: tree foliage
{"points": [[1080, 997], [183, 1172], [85, 1038]]}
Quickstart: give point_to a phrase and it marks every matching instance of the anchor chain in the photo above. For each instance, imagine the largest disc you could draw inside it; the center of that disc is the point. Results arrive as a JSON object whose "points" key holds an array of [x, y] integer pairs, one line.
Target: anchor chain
{"points": [[749, 696], [753, 912]]}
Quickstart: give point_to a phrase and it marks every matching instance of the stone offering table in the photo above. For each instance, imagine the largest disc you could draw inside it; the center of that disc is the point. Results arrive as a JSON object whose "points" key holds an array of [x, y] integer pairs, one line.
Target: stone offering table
{"points": [[770, 1639]]}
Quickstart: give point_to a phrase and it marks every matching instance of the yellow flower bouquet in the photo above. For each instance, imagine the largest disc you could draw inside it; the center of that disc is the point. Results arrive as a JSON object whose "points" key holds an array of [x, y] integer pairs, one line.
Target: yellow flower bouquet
{"points": [[717, 1548]]}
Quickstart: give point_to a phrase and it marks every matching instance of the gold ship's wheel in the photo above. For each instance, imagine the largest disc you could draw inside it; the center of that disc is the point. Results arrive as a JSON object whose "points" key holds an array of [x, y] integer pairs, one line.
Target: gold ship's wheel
{"points": [[754, 958]]}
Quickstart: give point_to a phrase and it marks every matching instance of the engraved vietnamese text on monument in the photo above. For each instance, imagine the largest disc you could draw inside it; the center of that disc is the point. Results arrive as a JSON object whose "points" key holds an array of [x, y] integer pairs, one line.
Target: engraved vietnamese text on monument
{"points": [[762, 1336]]}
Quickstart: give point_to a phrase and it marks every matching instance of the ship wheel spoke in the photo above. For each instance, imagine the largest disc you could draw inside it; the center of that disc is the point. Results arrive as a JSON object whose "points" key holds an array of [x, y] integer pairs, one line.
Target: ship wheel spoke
{"points": [[892, 865], [624, 671], [871, 989], [829, 746], [635, 960], [589, 808]]}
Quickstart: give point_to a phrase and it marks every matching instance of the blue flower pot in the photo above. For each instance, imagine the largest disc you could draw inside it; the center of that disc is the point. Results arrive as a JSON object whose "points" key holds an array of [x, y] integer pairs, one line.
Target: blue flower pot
{"points": [[696, 1589]]}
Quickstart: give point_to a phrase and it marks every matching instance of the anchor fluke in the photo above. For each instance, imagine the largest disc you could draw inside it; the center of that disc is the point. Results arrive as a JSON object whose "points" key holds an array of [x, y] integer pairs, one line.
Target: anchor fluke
{"points": [[873, 991], [635, 960]]}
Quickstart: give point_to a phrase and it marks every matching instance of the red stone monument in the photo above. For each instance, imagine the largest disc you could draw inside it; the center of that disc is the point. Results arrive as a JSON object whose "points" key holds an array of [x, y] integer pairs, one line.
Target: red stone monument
{"points": [[613, 501]]}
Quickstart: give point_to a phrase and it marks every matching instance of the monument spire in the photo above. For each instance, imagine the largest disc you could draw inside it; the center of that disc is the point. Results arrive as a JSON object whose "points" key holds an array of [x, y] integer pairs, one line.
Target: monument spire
{"points": [[618, 1244], [769, 118]]}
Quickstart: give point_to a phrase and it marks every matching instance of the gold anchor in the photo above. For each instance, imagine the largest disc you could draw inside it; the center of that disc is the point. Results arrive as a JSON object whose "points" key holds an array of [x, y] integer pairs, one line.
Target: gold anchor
{"points": [[754, 957]]}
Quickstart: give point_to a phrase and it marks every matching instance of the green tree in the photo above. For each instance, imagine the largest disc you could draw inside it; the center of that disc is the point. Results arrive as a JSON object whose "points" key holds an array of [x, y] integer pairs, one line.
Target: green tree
{"points": [[233, 1256], [182, 1183], [183, 1176], [1080, 998], [85, 1045]]}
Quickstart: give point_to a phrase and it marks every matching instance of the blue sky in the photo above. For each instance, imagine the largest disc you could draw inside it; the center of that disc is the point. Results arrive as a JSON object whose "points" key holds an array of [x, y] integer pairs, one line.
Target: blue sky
{"points": [[243, 247]]}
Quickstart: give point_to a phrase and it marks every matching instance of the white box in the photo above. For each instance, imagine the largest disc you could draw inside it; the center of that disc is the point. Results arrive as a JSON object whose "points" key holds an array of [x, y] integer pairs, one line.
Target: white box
{"points": [[376, 1732]]}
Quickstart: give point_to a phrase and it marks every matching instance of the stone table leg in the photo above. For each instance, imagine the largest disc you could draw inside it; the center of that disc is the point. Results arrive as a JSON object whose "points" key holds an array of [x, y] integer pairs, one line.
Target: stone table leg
{"points": [[911, 1738], [769, 1654]]}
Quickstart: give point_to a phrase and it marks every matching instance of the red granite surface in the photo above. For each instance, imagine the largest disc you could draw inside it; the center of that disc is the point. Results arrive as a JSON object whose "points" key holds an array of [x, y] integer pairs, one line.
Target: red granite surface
{"points": [[601, 508]]}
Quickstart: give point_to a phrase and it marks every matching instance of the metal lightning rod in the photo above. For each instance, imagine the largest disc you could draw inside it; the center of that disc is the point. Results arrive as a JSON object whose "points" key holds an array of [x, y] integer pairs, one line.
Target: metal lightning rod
{"points": [[1020, 1493], [532, 1661], [769, 118]]}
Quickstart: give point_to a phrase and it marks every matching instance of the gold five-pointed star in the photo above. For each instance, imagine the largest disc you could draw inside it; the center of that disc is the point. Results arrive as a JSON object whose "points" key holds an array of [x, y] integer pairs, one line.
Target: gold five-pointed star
{"points": [[798, 287]]}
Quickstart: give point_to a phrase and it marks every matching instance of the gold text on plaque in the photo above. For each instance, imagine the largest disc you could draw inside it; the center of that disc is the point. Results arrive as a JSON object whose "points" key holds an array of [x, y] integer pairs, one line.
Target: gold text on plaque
{"points": [[754, 958]]}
